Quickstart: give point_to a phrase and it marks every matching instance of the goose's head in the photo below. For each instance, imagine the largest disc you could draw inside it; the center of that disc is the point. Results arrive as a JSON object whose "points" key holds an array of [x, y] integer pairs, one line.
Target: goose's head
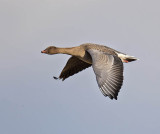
{"points": [[50, 50]]}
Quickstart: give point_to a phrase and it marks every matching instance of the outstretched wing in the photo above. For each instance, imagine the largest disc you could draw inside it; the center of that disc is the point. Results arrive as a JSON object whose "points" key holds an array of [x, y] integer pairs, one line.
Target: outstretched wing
{"points": [[109, 72], [73, 66]]}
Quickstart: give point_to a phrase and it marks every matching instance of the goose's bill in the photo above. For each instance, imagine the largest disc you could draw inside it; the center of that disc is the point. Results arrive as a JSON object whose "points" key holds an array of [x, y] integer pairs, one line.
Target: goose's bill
{"points": [[43, 51]]}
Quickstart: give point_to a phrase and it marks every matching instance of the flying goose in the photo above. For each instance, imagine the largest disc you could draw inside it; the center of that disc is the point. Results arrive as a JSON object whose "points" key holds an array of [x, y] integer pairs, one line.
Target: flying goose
{"points": [[107, 65]]}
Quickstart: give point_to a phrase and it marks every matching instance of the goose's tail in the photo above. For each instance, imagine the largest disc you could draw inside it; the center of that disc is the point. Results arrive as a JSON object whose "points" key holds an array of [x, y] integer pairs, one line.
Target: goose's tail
{"points": [[126, 58]]}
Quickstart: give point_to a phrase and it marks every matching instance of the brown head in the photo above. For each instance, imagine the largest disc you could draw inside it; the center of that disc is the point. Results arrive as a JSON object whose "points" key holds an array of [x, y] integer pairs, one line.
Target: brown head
{"points": [[50, 50]]}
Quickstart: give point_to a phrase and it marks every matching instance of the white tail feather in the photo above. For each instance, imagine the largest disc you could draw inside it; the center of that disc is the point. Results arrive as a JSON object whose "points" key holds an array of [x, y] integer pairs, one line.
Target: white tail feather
{"points": [[125, 57]]}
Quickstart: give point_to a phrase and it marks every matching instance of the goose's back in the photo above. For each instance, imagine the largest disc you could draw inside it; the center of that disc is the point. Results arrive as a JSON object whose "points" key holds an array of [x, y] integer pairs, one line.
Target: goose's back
{"points": [[101, 48]]}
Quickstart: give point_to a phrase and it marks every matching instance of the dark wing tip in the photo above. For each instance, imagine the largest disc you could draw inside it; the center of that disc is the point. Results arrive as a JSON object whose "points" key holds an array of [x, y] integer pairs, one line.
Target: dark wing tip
{"points": [[60, 78], [56, 78], [111, 97]]}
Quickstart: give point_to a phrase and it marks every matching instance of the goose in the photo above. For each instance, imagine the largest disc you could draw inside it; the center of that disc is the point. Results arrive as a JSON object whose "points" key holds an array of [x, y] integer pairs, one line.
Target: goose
{"points": [[106, 62]]}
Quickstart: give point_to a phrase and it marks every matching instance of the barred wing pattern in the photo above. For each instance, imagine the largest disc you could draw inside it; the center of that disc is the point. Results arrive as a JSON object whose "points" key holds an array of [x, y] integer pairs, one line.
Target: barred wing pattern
{"points": [[109, 72], [73, 66]]}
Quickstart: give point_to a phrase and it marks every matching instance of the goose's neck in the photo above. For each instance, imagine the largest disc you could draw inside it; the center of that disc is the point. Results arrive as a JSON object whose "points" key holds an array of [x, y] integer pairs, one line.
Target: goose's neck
{"points": [[75, 51]]}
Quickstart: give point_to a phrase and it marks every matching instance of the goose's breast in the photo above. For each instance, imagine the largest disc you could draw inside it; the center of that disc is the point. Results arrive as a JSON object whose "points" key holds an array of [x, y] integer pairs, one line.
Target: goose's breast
{"points": [[86, 58]]}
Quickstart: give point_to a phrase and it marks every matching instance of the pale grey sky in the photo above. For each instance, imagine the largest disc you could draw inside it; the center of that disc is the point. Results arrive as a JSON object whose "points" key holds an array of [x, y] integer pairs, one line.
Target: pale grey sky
{"points": [[32, 102]]}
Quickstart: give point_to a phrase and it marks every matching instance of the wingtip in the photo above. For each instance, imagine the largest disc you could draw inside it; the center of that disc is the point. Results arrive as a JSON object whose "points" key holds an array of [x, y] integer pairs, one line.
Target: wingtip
{"points": [[56, 78], [111, 97]]}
